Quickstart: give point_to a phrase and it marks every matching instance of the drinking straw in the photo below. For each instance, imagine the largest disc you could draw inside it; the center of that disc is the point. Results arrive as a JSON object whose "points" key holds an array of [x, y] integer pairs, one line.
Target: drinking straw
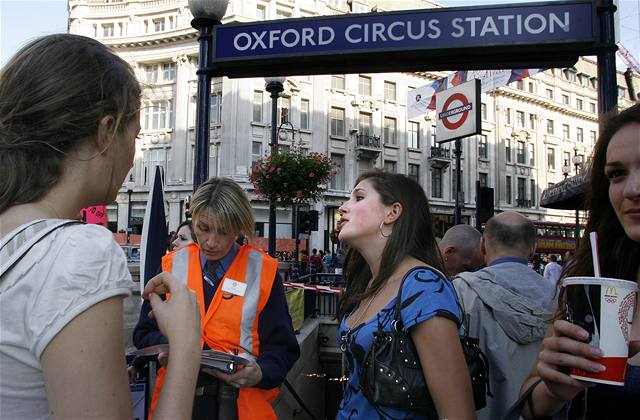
{"points": [[593, 238]]}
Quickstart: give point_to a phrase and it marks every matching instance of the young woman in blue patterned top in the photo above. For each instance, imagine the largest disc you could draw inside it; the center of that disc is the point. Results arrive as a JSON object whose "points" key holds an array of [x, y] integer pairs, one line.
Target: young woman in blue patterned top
{"points": [[386, 224]]}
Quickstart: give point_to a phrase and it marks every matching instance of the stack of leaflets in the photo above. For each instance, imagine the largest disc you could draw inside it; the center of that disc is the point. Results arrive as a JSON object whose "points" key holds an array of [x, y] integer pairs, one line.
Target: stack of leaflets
{"points": [[225, 362]]}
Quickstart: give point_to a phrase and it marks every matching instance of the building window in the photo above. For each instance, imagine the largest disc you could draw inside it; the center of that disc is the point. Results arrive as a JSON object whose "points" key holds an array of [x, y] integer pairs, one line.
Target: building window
{"points": [[283, 110], [434, 143], [364, 124], [532, 121], [159, 115], [304, 114], [391, 166], [337, 81], [566, 132], [483, 111], [107, 30], [482, 147], [508, 189], [436, 182], [484, 179], [257, 105], [256, 151], [531, 87], [592, 107], [158, 25], [364, 85], [520, 156], [337, 183], [152, 158], [337, 122], [261, 12], [507, 149], [533, 192], [508, 113], [389, 91], [550, 93], [532, 154], [566, 157], [519, 119], [454, 181], [151, 73], [414, 172], [592, 136], [622, 92], [169, 72], [551, 158], [580, 135], [282, 14], [390, 131], [215, 109], [413, 140], [520, 84], [565, 99], [550, 127], [580, 104], [521, 189]]}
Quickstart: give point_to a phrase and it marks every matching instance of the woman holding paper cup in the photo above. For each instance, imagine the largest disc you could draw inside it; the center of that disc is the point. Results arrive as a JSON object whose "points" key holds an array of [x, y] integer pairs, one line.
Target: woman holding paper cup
{"points": [[614, 204], [69, 117]]}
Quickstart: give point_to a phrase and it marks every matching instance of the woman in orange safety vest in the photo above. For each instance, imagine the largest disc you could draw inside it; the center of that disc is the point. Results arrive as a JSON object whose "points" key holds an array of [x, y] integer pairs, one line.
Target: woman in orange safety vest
{"points": [[241, 298]]}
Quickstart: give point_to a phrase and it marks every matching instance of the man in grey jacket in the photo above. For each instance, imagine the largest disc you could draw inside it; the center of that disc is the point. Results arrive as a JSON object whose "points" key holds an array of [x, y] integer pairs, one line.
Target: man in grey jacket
{"points": [[507, 304]]}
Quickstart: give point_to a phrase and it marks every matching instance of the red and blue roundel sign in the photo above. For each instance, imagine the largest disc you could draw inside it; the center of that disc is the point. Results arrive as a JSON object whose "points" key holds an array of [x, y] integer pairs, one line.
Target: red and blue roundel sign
{"points": [[458, 111]]}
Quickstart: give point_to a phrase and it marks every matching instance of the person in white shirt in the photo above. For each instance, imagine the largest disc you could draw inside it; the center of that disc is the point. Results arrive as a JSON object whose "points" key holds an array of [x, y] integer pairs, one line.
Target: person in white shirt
{"points": [[552, 270]]}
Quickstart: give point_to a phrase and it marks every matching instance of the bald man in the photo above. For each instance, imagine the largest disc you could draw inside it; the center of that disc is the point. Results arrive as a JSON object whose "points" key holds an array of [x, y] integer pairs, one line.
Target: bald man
{"points": [[460, 248], [508, 304]]}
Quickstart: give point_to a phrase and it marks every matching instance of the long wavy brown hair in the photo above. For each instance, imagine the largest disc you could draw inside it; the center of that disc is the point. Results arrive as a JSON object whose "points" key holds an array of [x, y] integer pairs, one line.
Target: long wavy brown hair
{"points": [[617, 252], [412, 235]]}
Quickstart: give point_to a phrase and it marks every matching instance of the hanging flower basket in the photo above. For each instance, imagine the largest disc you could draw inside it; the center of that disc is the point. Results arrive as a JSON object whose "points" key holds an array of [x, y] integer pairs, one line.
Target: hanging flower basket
{"points": [[292, 176]]}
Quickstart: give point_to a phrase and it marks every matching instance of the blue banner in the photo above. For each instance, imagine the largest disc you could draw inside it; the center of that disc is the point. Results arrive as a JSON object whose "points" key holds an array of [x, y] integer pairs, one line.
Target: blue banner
{"points": [[506, 25]]}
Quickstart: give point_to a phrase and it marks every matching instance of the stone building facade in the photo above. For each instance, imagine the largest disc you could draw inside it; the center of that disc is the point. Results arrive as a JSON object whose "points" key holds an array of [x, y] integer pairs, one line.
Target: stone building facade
{"points": [[530, 130]]}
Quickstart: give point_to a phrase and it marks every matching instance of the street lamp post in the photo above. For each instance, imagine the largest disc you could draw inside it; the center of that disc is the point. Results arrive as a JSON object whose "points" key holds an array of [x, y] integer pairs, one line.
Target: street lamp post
{"points": [[577, 163], [130, 186], [206, 15], [274, 85]]}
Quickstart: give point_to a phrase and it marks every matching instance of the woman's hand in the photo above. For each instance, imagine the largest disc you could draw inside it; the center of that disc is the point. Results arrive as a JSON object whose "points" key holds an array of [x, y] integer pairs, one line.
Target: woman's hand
{"points": [[178, 317], [246, 377], [563, 350]]}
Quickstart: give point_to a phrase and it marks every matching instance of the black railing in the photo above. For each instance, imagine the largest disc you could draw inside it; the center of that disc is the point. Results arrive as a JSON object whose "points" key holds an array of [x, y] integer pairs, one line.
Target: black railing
{"points": [[366, 140], [440, 152]]}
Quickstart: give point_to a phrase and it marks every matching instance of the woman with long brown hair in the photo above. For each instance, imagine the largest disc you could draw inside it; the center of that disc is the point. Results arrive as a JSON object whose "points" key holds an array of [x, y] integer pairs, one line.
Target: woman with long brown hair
{"points": [[386, 224], [69, 117], [614, 213]]}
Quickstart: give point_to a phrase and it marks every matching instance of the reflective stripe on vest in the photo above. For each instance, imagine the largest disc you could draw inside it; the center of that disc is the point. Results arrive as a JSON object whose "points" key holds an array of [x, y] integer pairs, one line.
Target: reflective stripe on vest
{"points": [[250, 304]]}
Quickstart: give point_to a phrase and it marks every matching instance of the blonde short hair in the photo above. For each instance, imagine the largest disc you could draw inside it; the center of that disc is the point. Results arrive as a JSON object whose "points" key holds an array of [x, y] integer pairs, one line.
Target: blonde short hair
{"points": [[226, 201]]}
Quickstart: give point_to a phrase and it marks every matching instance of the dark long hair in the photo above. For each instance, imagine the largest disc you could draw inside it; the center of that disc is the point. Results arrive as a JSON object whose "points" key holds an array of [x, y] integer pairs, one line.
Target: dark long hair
{"points": [[617, 252], [412, 235]]}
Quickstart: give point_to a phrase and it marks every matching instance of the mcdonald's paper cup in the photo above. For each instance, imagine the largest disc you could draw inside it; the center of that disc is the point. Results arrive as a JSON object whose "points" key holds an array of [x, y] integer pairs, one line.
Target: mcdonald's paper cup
{"points": [[604, 307]]}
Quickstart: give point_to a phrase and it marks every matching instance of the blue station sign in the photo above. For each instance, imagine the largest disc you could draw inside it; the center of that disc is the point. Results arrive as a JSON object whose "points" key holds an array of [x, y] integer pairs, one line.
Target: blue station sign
{"points": [[510, 26]]}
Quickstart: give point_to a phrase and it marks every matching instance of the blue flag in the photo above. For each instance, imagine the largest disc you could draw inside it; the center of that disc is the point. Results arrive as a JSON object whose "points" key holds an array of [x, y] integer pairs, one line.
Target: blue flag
{"points": [[153, 245]]}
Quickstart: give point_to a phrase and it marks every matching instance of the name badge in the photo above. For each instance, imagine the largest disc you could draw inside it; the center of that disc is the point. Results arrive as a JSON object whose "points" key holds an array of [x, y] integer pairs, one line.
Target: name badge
{"points": [[233, 287]]}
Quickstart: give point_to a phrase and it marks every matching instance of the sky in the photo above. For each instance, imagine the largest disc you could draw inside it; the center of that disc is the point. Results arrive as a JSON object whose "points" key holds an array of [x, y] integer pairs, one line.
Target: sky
{"points": [[23, 20]]}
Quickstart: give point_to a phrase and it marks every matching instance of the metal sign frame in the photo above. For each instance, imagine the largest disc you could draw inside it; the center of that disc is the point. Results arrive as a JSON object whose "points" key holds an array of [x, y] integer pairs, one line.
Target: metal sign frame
{"points": [[454, 94]]}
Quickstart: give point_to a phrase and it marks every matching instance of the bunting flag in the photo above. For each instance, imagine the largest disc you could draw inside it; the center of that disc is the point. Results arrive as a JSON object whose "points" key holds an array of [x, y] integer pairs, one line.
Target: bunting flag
{"points": [[423, 99], [153, 245]]}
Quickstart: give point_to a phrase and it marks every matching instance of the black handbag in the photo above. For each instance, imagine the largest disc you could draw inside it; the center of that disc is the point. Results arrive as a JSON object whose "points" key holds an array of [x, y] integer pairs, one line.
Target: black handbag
{"points": [[392, 375]]}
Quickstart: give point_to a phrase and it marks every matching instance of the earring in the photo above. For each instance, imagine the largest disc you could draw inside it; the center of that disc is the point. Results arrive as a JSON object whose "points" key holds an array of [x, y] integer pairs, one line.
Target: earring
{"points": [[381, 232]]}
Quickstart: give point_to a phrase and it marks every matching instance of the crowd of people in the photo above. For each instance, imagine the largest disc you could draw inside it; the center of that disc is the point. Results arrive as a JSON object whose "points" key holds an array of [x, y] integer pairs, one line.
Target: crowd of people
{"points": [[68, 142]]}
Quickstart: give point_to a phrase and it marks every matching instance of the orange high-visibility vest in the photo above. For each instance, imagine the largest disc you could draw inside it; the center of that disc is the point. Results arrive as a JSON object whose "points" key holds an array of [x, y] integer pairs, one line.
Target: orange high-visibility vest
{"points": [[231, 323]]}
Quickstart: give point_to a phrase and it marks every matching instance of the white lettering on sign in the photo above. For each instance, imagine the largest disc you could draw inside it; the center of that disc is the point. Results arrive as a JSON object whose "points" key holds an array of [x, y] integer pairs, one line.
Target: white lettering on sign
{"points": [[401, 30]]}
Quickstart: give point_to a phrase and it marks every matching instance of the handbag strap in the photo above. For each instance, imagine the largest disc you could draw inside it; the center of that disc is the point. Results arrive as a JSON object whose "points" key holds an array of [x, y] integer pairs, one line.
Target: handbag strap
{"points": [[397, 321], [20, 242]]}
